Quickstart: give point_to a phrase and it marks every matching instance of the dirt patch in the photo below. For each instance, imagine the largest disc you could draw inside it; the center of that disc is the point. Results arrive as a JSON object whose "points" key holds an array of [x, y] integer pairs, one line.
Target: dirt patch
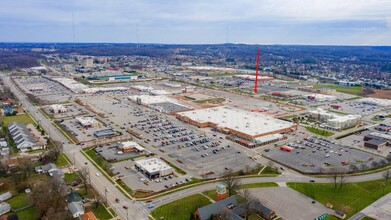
{"points": [[377, 93]]}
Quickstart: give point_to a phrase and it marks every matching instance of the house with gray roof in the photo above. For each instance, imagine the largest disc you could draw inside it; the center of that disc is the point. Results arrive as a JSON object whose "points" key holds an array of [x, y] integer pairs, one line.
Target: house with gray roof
{"points": [[4, 208], [5, 196], [230, 207], [76, 208]]}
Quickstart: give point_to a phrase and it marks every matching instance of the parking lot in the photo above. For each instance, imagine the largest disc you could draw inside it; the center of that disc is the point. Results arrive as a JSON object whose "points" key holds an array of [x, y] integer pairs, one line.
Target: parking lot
{"points": [[357, 107], [289, 204], [40, 86], [318, 155]]}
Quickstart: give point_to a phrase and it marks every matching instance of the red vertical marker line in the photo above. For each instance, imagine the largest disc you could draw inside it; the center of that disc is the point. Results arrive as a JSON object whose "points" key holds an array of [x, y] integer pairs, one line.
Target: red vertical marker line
{"points": [[256, 71]]}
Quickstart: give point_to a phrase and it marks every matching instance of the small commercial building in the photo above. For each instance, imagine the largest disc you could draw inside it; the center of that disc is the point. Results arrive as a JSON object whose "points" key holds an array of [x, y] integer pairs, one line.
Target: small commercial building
{"points": [[153, 167], [130, 146], [87, 122], [320, 97], [57, 108], [377, 140]]}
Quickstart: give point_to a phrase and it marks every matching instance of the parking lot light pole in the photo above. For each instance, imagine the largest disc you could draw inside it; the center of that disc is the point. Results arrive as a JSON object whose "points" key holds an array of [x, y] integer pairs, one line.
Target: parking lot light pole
{"points": [[126, 208], [106, 191]]}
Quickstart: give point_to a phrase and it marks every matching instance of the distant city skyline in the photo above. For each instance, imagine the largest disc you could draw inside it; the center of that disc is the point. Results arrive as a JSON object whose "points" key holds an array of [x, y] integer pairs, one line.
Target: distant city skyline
{"points": [[306, 22]]}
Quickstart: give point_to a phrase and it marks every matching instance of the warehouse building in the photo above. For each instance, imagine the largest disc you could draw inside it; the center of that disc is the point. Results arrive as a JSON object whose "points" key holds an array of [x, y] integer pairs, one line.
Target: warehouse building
{"points": [[237, 122], [153, 167], [333, 121]]}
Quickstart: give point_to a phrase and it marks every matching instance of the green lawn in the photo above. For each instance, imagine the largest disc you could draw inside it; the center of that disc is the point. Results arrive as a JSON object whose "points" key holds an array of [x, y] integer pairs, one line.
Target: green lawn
{"points": [[61, 161], [320, 132], [19, 201], [351, 198], [100, 212], [258, 185], [28, 214], [353, 90], [24, 118], [270, 170], [181, 209], [69, 177]]}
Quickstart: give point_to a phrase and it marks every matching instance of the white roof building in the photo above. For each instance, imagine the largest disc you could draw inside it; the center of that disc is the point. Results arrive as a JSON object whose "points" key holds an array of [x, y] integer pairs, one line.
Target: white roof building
{"points": [[240, 122], [104, 89], [87, 121], [335, 121], [321, 97], [57, 108], [154, 167], [71, 84], [376, 101], [131, 145]]}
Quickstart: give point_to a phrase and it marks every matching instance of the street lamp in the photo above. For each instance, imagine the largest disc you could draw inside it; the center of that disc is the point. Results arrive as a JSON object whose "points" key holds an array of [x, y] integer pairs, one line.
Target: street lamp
{"points": [[106, 191], [126, 208]]}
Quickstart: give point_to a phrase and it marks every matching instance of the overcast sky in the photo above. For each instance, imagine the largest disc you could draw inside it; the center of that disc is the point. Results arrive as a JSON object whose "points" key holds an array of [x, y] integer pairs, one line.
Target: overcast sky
{"points": [[325, 22]]}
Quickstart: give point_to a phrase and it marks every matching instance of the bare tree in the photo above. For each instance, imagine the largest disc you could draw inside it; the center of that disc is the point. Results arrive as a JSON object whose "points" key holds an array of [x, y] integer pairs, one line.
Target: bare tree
{"points": [[97, 200], [374, 164], [334, 174], [382, 162], [250, 203], [353, 168], [231, 182], [225, 214], [342, 179], [85, 177], [363, 166], [386, 175], [25, 165], [48, 198], [388, 158]]}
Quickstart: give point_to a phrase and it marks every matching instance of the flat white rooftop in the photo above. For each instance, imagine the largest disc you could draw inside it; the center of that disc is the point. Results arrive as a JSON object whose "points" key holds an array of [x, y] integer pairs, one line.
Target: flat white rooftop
{"points": [[250, 123], [152, 165], [153, 99], [376, 101]]}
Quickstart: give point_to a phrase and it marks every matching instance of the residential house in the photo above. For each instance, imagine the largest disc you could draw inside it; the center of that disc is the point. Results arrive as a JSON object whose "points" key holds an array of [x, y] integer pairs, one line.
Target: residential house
{"points": [[76, 208], [5, 196], [230, 207], [4, 148], [50, 169], [75, 204], [4, 208], [22, 137]]}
